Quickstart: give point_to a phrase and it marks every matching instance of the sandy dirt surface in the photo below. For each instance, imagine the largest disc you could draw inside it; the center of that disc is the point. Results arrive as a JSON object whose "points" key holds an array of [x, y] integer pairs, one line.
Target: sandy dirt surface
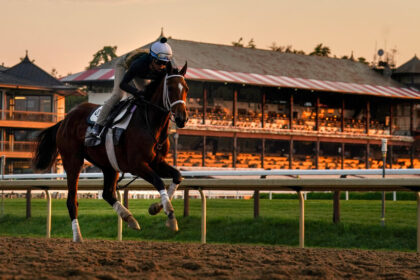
{"points": [[38, 258]]}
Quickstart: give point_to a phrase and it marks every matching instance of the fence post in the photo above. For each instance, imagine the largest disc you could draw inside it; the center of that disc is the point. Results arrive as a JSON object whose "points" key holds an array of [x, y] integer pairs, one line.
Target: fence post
{"points": [[49, 209], [203, 216], [28, 204], [186, 203], [336, 212], [301, 220], [119, 223], [256, 204]]}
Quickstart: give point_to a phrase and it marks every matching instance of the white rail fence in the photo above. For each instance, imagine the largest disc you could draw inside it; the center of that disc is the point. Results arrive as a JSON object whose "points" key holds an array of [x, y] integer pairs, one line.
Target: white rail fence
{"points": [[201, 180]]}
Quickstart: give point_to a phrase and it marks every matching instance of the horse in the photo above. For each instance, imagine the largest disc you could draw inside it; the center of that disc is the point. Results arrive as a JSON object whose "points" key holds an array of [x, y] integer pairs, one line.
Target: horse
{"points": [[141, 151]]}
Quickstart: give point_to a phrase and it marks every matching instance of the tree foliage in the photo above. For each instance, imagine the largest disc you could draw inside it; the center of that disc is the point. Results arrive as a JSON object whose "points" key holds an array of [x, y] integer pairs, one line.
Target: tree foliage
{"points": [[321, 50], [74, 100], [285, 49], [238, 43], [104, 55], [251, 44]]}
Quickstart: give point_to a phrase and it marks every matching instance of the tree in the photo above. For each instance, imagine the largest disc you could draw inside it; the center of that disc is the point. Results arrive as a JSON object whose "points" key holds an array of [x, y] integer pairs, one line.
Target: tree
{"points": [[321, 50], [251, 44], [286, 49], [74, 100], [238, 43], [102, 56], [363, 60], [276, 48], [54, 73]]}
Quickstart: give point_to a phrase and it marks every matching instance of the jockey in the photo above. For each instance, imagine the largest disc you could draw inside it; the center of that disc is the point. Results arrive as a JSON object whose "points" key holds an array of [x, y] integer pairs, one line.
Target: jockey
{"points": [[140, 70]]}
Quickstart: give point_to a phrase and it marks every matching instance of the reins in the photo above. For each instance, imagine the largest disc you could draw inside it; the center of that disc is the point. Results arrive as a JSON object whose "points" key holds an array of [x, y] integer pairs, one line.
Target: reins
{"points": [[167, 109]]}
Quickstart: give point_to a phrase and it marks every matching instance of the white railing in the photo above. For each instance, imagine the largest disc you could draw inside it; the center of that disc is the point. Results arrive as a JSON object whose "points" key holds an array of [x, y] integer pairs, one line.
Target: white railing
{"points": [[257, 172]]}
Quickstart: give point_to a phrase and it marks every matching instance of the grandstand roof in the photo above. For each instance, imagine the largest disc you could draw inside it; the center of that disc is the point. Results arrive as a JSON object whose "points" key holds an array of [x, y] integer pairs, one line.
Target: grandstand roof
{"points": [[222, 63]]}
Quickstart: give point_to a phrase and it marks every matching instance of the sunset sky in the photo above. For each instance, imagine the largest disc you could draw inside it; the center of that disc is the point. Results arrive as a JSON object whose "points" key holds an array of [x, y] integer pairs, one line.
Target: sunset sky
{"points": [[64, 34]]}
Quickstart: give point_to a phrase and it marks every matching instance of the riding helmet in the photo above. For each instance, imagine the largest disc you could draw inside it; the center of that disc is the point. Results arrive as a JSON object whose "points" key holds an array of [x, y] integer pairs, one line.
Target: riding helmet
{"points": [[161, 50]]}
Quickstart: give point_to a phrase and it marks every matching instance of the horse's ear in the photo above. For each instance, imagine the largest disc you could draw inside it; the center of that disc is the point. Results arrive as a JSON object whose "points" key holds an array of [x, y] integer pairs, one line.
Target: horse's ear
{"points": [[169, 68], [183, 70]]}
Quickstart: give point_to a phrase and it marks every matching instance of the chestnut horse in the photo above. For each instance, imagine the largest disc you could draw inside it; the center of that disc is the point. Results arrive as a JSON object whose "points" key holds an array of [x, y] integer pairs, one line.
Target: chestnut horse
{"points": [[141, 151]]}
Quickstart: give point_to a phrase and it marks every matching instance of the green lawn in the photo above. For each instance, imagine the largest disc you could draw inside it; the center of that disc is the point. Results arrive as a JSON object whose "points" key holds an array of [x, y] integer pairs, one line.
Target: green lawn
{"points": [[231, 221]]}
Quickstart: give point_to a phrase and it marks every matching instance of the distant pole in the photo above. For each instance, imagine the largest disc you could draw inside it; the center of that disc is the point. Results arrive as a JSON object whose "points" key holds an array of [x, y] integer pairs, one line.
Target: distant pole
{"points": [[384, 150]]}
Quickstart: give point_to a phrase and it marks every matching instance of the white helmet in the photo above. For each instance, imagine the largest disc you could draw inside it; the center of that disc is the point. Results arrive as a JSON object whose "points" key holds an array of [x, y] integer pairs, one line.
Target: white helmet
{"points": [[161, 50]]}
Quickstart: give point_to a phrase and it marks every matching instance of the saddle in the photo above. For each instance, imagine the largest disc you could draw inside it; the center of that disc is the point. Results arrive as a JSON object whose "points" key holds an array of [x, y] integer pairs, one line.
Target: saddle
{"points": [[116, 122]]}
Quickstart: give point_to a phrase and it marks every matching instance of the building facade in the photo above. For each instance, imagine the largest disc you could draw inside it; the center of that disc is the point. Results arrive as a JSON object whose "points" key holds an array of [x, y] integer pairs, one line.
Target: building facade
{"points": [[251, 108], [30, 100]]}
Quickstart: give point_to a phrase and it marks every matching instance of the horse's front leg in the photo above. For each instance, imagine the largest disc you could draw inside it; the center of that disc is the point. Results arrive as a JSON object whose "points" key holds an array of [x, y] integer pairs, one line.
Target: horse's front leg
{"points": [[164, 170], [109, 195], [148, 174]]}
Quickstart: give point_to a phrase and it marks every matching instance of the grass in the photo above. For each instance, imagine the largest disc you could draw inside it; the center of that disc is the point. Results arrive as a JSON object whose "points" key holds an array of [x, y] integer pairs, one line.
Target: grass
{"points": [[231, 221]]}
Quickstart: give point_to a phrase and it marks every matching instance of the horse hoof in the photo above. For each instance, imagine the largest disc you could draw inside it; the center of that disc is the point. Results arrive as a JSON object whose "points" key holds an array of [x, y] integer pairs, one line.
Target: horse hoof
{"points": [[172, 224], [155, 208], [132, 223]]}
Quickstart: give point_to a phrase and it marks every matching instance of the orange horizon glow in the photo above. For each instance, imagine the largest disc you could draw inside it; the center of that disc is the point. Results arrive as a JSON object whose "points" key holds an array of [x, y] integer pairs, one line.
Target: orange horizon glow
{"points": [[64, 34]]}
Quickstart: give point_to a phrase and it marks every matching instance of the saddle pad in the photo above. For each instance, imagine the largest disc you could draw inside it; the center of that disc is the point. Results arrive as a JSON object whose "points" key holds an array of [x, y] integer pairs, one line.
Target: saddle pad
{"points": [[95, 114]]}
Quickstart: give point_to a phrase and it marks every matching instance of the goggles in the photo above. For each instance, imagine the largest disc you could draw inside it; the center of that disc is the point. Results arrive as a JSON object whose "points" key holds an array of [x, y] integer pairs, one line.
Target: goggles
{"points": [[160, 62]]}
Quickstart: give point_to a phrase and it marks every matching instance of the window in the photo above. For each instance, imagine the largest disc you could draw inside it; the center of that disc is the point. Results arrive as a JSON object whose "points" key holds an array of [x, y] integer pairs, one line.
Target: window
{"points": [[31, 103]]}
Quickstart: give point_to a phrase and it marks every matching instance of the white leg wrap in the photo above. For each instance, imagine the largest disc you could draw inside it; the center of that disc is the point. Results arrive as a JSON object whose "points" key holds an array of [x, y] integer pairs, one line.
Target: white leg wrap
{"points": [[164, 198], [171, 190], [121, 210], [77, 236]]}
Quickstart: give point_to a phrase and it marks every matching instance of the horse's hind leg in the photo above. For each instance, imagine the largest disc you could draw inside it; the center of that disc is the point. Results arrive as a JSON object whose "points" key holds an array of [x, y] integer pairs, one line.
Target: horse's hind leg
{"points": [[164, 170], [109, 195], [72, 165]]}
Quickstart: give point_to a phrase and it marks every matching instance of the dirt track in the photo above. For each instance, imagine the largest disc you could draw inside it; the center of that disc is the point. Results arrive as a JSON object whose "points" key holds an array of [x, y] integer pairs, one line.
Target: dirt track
{"points": [[32, 258]]}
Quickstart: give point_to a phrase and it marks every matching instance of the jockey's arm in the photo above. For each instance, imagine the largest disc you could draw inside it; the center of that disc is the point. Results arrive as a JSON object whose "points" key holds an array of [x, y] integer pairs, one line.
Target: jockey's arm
{"points": [[137, 69]]}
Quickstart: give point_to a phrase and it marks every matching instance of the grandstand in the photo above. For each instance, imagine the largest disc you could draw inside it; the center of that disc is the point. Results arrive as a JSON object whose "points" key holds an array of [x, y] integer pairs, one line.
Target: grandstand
{"points": [[251, 108]]}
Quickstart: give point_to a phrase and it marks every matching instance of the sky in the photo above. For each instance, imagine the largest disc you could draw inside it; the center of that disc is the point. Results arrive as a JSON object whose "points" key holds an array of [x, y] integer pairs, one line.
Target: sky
{"points": [[64, 34]]}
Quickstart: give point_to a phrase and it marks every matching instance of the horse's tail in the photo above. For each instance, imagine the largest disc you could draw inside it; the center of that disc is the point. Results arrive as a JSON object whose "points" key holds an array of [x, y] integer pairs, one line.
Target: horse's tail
{"points": [[46, 149]]}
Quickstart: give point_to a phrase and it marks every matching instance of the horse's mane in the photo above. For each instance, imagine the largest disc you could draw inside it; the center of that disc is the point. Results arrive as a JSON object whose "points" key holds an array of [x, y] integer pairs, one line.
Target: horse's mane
{"points": [[151, 88]]}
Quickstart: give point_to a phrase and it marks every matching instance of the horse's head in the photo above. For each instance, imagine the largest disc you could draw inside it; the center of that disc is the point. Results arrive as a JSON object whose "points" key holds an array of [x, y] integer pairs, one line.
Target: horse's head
{"points": [[175, 94]]}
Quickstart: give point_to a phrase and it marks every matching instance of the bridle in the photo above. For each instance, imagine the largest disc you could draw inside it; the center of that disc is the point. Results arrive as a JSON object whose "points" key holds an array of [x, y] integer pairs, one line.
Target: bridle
{"points": [[167, 104], [167, 107]]}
